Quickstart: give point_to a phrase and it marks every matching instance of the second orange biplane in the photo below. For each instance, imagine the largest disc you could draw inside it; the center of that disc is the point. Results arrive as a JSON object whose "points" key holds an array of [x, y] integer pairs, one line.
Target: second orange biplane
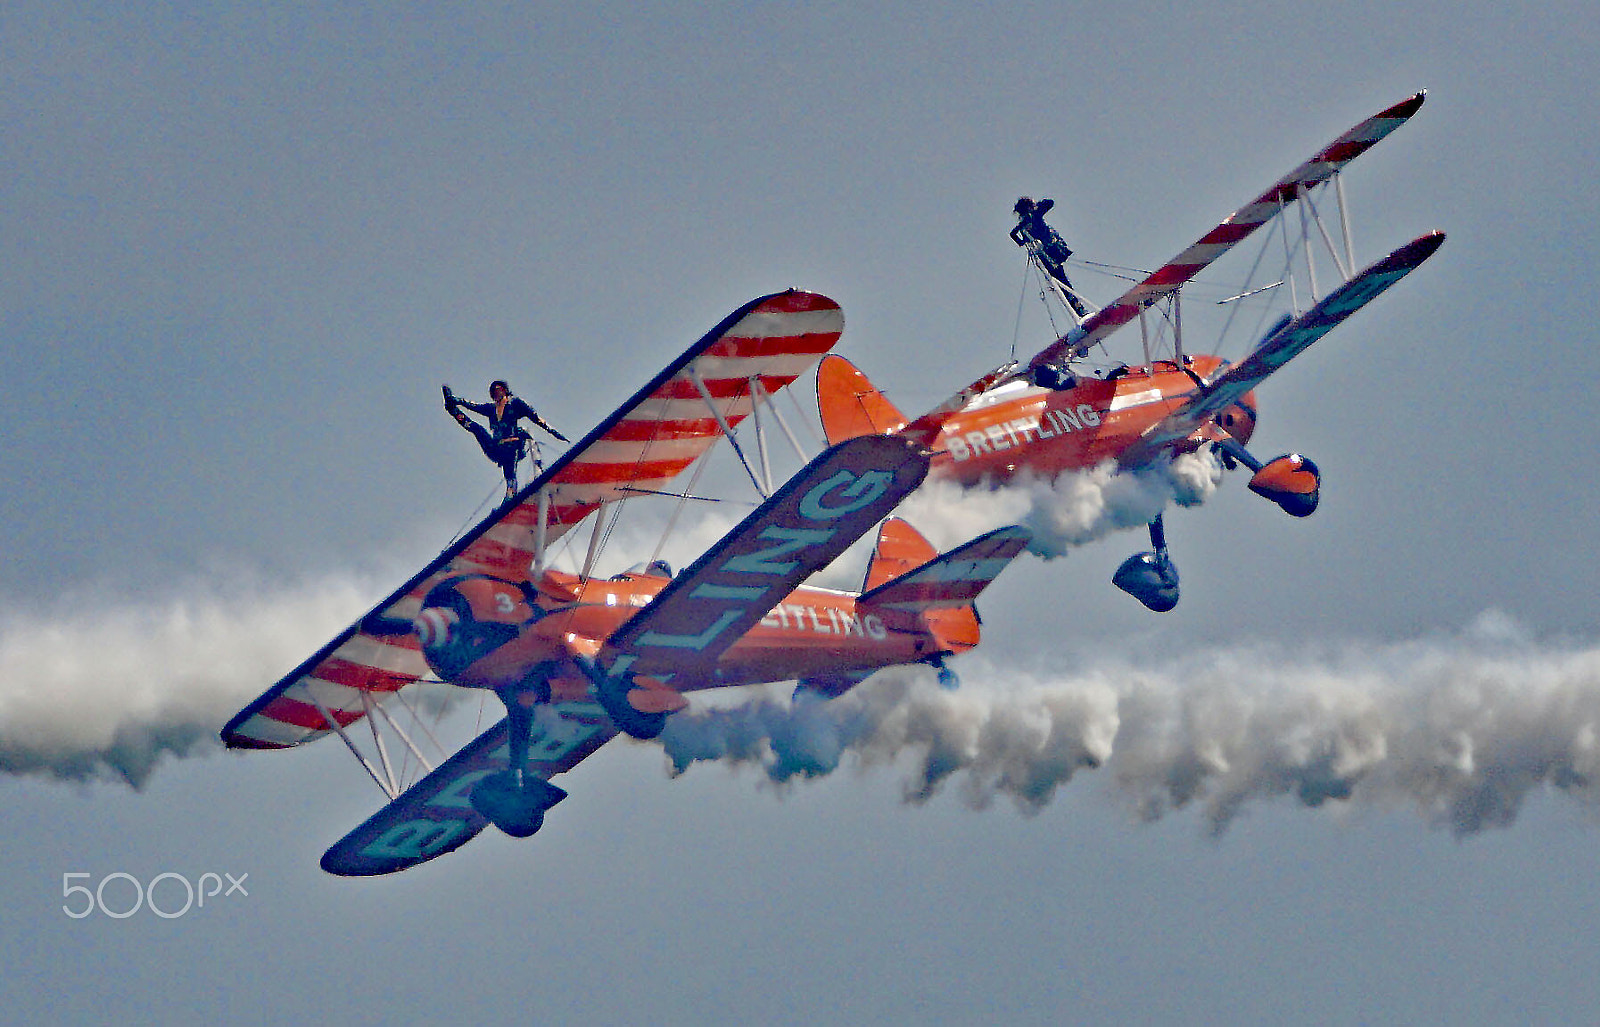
{"points": [[577, 658], [1052, 415]]}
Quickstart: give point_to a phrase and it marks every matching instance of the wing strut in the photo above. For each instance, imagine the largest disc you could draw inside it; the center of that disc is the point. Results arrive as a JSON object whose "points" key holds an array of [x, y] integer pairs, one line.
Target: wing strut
{"points": [[1173, 275], [761, 437], [761, 393], [683, 501], [1327, 240], [344, 736], [400, 733], [377, 740], [541, 532], [705, 394]]}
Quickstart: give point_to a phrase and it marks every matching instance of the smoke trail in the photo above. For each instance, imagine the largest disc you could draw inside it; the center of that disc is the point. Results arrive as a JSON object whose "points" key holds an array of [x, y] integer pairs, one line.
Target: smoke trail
{"points": [[107, 692], [1461, 728], [1074, 509]]}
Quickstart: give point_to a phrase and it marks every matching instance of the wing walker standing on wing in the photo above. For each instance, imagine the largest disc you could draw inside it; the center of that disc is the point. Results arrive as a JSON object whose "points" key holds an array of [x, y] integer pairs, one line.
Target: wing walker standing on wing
{"points": [[1051, 415], [577, 658], [505, 442]]}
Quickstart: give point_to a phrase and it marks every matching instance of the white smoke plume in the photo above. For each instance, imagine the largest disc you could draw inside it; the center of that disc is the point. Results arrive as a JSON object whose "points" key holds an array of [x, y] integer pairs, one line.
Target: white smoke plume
{"points": [[1074, 509], [95, 690], [1462, 729]]}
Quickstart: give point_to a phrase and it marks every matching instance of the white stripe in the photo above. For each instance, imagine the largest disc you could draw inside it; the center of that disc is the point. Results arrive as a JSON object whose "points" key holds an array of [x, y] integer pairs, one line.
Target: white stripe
{"points": [[373, 652], [658, 409], [682, 447], [334, 697], [792, 365], [775, 324], [597, 492], [262, 728], [1135, 399]]}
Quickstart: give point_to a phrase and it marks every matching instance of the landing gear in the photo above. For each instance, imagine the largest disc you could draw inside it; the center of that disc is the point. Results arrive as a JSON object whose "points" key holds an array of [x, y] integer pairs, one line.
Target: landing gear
{"points": [[1150, 577], [515, 803], [515, 799], [947, 677], [1292, 481]]}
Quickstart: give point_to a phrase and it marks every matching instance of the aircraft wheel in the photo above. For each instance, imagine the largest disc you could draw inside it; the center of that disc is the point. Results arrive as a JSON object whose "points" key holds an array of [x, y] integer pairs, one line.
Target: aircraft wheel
{"points": [[517, 811], [1150, 578]]}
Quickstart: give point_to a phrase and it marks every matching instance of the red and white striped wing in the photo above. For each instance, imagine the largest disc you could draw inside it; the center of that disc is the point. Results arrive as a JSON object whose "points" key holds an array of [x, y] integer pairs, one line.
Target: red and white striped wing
{"points": [[1182, 268], [651, 439]]}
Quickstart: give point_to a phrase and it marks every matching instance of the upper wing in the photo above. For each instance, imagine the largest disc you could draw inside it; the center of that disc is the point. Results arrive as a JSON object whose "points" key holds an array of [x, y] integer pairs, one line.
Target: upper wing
{"points": [[1281, 346], [651, 438], [1169, 278], [435, 815], [830, 503]]}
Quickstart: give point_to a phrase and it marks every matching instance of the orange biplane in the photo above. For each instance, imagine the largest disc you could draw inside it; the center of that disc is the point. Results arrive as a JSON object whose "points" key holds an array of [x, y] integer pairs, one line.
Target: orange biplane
{"points": [[1056, 414], [577, 658]]}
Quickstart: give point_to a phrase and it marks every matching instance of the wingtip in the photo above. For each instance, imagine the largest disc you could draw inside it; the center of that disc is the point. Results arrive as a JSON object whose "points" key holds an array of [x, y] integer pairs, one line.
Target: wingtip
{"points": [[1407, 107]]}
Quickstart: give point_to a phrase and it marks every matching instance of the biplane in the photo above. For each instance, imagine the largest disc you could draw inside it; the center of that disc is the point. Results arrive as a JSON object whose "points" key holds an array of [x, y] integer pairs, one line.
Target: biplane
{"points": [[577, 658], [1056, 413]]}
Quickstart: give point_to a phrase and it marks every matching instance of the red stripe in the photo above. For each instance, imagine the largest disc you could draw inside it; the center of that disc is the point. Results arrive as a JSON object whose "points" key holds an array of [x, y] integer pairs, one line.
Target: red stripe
{"points": [[1230, 232], [720, 388], [649, 431], [359, 675], [1115, 315], [306, 715], [1338, 153], [776, 346], [487, 552], [580, 473], [1174, 274]]}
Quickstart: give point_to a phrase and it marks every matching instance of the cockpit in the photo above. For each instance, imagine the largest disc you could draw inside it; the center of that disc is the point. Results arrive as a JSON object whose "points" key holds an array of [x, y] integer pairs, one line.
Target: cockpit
{"points": [[651, 569]]}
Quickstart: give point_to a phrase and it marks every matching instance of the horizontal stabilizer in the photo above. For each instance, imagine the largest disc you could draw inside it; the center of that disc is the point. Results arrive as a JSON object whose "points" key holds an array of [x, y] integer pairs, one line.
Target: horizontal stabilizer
{"points": [[953, 579], [1283, 345]]}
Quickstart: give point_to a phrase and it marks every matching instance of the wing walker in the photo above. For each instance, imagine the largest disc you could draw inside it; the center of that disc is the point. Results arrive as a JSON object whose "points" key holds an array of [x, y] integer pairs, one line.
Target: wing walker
{"points": [[577, 658], [1056, 414]]}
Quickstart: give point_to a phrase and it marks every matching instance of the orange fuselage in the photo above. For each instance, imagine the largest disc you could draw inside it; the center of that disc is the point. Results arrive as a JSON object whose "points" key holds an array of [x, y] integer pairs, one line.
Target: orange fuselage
{"points": [[1019, 427], [813, 632]]}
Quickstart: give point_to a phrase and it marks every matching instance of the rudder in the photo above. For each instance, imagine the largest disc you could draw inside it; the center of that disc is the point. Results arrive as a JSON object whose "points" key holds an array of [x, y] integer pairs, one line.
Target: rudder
{"points": [[850, 405]]}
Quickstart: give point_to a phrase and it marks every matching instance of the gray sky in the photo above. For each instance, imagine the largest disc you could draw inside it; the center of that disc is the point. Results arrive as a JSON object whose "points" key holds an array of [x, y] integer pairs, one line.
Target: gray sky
{"points": [[247, 245]]}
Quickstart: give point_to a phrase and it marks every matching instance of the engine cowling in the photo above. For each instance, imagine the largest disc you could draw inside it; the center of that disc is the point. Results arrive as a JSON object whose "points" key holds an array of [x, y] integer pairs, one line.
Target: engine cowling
{"points": [[467, 618]]}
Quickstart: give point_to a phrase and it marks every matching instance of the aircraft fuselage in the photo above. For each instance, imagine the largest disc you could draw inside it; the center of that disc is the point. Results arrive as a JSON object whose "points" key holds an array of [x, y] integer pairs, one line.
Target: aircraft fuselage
{"points": [[1022, 427], [499, 634]]}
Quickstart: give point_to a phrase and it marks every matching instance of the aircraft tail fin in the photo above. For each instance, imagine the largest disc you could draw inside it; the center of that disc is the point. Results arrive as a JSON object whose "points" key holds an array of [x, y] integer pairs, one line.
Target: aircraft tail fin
{"points": [[850, 405], [900, 549]]}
